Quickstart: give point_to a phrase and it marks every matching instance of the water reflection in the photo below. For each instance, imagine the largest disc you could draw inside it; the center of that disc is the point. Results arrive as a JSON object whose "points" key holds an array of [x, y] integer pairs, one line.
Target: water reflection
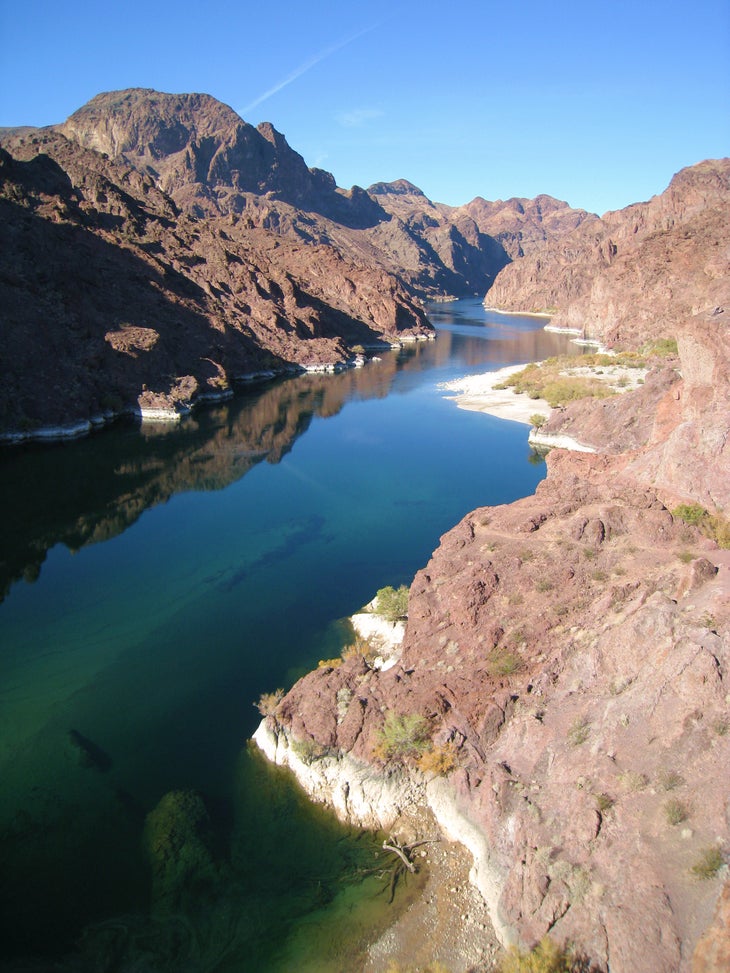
{"points": [[101, 486], [128, 672]]}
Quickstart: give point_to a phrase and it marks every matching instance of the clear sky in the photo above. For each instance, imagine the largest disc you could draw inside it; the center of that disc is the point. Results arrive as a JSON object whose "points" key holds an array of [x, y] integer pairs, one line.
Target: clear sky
{"points": [[596, 103]]}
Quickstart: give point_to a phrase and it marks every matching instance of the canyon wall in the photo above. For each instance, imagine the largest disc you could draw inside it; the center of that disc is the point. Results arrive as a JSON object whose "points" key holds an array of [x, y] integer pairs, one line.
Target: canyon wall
{"points": [[569, 653], [635, 274]]}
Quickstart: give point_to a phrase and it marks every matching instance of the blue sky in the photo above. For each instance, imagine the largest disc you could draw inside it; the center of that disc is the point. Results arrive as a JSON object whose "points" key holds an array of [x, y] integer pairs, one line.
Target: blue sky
{"points": [[595, 103]]}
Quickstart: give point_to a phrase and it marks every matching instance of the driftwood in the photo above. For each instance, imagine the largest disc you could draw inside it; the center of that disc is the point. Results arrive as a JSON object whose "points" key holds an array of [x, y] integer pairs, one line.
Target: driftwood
{"points": [[404, 852]]}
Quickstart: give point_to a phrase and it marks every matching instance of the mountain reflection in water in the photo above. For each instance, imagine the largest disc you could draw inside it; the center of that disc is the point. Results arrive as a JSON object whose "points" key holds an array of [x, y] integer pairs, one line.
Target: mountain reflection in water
{"points": [[137, 832]]}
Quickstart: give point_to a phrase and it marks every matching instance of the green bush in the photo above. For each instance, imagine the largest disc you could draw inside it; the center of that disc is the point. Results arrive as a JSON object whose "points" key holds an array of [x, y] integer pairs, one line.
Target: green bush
{"points": [[690, 513], [709, 863], [667, 347], [392, 603], [714, 526], [579, 731], [268, 702], [676, 811], [402, 736], [503, 662], [308, 750]]}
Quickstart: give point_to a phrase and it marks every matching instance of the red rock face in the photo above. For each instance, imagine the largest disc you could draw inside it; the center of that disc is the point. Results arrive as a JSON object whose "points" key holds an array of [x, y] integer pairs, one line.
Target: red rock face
{"points": [[637, 273], [573, 647], [112, 296]]}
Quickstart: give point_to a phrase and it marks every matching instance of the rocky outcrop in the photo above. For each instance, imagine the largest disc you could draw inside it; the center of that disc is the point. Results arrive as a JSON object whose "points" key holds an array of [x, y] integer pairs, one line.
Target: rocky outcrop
{"points": [[439, 250], [637, 273], [524, 226], [115, 301], [571, 650]]}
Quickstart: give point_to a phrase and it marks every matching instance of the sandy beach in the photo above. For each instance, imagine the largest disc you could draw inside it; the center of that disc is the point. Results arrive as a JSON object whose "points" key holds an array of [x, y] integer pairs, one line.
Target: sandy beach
{"points": [[478, 393]]}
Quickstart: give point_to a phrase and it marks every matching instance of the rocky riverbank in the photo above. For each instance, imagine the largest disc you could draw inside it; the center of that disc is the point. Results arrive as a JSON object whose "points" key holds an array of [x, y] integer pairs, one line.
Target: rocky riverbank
{"points": [[565, 657]]}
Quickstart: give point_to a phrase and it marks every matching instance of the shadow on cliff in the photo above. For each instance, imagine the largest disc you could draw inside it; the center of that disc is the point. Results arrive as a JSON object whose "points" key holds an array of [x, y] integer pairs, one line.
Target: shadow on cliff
{"points": [[64, 289]]}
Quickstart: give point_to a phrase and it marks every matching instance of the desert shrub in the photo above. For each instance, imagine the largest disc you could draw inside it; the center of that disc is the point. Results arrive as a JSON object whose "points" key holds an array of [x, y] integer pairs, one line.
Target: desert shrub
{"points": [[268, 702], [675, 811], [330, 663], [564, 390], [714, 526], [604, 802], [670, 779], [719, 530], [690, 513], [546, 957], [504, 662], [392, 603], [402, 736], [537, 420], [666, 347], [361, 647], [579, 732], [708, 864], [632, 780], [439, 760], [308, 750]]}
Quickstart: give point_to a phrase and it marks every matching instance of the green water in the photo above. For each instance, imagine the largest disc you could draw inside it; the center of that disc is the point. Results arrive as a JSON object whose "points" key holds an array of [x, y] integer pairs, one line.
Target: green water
{"points": [[156, 583]]}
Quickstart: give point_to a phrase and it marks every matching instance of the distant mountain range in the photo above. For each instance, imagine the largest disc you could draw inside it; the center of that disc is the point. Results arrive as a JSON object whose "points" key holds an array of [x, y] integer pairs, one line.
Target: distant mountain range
{"points": [[156, 248]]}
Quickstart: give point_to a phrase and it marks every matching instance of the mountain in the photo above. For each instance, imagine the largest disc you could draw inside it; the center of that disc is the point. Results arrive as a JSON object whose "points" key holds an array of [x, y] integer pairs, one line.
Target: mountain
{"points": [[522, 226], [116, 299], [635, 274], [203, 155], [559, 700], [156, 249]]}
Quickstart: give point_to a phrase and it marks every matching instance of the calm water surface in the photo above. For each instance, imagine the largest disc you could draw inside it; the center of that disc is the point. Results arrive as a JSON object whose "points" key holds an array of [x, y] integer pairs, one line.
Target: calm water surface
{"points": [[156, 583]]}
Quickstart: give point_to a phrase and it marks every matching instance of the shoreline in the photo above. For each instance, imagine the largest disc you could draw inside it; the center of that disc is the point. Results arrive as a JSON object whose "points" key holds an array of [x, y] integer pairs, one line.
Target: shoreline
{"points": [[455, 919], [478, 393]]}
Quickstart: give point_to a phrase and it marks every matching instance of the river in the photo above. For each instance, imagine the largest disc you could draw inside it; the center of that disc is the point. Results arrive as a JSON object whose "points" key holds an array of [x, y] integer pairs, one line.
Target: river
{"points": [[156, 581]]}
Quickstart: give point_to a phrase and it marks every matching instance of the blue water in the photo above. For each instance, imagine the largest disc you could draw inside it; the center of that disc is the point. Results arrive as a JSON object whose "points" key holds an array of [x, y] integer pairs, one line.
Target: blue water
{"points": [[211, 563]]}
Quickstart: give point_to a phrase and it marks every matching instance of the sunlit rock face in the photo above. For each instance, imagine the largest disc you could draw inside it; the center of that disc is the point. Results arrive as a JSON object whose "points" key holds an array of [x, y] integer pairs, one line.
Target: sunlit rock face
{"points": [[572, 649], [637, 273]]}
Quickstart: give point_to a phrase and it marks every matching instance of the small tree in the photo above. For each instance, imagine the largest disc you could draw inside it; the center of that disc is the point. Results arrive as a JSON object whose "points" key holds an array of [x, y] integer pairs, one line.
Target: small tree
{"points": [[391, 603]]}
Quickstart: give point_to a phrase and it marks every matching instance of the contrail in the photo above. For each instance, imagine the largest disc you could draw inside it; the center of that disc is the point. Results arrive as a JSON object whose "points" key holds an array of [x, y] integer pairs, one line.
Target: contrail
{"points": [[303, 68]]}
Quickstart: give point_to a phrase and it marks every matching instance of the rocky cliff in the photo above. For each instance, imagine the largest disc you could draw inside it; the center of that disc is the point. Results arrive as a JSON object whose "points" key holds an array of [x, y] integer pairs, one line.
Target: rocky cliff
{"points": [[156, 248], [566, 662], [116, 300], [636, 273]]}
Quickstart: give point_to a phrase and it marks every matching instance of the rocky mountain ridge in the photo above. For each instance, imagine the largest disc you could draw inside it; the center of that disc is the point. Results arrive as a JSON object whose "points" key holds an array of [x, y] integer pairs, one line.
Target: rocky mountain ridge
{"points": [[114, 300], [171, 248], [634, 274]]}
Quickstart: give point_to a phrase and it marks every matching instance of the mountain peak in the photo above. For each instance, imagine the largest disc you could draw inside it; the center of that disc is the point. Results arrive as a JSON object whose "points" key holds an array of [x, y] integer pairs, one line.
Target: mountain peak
{"points": [[399, 187]]}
